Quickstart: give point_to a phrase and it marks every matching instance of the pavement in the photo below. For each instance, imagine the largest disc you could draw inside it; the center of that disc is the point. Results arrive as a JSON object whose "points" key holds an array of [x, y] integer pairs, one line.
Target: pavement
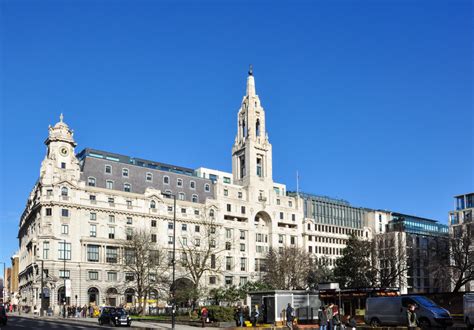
{"points": [[29, 321]]}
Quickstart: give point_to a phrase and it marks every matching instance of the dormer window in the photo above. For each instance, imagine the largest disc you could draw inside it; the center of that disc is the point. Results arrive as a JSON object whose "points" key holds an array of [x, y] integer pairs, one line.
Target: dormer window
{"points": [[166, 179], [192, 185], [125, 172], [108, 169], [152, 204], [64, 191], [179, 182], [149, 177], [195, 199], [91, 182], [126, 187]]}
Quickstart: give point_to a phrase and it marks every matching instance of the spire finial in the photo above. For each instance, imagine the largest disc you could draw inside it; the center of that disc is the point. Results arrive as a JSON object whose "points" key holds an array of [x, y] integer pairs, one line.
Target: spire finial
{"points": [[61, 117], [250, 70]]}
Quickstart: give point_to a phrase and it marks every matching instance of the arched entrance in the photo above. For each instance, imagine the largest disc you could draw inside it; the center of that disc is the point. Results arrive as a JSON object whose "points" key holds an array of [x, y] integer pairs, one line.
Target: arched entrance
{"points": [[111, 297], [185, 293], [62, 296], [93, 294]]}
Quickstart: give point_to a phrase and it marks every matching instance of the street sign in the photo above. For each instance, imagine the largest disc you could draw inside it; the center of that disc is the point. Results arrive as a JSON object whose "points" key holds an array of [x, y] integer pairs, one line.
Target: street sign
{"points": [[68, 288]]}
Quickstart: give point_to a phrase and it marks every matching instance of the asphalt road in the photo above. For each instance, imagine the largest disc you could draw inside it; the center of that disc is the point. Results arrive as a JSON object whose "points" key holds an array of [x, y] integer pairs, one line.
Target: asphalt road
{"points": [[18, 322]]}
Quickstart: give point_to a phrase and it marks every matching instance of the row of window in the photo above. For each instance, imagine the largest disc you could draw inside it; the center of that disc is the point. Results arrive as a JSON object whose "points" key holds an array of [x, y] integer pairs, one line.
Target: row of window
{"points": [[327, 240], [148, 178], [325, 250], [336, 230]]}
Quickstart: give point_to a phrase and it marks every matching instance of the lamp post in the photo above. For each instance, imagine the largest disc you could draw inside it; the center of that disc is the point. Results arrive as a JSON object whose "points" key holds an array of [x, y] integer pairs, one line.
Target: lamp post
{"points": [[173, 261], [42, 289], [64, 277]]}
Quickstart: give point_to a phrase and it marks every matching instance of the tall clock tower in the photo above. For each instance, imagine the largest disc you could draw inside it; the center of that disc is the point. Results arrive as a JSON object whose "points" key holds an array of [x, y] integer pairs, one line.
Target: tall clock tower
{"points": [[252, 152], [60, 163]]}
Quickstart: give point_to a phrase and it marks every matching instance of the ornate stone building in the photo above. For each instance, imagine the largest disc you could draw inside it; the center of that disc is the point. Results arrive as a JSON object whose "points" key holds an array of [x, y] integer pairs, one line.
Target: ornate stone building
{"points": [[84, 206]]}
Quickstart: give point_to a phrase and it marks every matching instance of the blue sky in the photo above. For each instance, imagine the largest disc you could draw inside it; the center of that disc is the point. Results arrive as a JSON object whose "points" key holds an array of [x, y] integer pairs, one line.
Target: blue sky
{"points": [[371, 101]]}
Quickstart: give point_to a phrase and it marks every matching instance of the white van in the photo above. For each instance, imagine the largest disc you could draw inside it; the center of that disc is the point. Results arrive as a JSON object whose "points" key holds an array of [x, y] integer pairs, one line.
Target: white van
{"points": [[468, 303], [393, 311]]}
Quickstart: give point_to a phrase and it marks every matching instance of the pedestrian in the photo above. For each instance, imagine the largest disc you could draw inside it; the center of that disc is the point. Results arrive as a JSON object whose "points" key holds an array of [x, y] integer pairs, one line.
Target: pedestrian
{"points": [[323, 318], [411, 316], [240, 316], [289, 316], [329, 315], [336, 318], [352, 323], [254, 316], [204, 314]]}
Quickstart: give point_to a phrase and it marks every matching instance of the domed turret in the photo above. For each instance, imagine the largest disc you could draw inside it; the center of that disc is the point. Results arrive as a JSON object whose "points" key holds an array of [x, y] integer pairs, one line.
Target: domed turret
{"points": [[61, 132]]}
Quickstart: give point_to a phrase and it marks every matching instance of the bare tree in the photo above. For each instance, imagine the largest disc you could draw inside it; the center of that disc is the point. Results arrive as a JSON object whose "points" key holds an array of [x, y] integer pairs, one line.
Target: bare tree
{"points": [[144, 265], [456, 262], [390, 260], [200, 254], [289, 269]]}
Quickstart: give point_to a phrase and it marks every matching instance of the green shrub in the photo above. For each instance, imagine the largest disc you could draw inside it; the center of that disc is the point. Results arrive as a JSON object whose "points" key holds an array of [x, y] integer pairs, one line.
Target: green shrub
{"points": [[220, 313]]}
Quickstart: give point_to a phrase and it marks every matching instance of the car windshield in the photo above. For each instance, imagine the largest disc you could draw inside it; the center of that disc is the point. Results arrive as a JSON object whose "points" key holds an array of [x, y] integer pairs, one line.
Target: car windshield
{"points": [[425, 301], [120, 311]]}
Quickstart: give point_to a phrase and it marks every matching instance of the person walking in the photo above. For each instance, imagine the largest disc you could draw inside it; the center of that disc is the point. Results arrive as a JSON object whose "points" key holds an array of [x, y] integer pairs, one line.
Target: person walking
{"points": [[411, 315], [240, 316], [329, 315], [255, 315], [204, 314], [323, 318], [289, 316]]}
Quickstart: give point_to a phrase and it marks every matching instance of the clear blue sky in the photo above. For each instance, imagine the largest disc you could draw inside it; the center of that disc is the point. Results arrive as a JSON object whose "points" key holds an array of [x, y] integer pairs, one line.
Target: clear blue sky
{"points": [[371, 101]]}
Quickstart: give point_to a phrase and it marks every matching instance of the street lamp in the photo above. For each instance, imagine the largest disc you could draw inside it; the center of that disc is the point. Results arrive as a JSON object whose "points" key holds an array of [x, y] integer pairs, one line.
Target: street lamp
{"points": [[173, 261]]}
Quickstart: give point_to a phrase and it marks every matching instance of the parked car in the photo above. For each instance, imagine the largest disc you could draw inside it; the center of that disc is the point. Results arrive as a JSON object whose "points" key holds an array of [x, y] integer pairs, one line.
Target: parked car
{"points": [[114, 315], [468, 304], [3, 315], [393, 311]]}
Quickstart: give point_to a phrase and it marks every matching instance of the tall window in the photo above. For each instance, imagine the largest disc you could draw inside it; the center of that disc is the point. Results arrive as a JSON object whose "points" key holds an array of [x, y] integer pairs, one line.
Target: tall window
{"points": [[152, 204], [111, 232], [108, 169], [125, 172], [195, 198], [64, 251], [166, 179], [243, 264], [257, 127], [93, 216], [228, 263], [181, 196], [192, 185], [64, 191], [242, 166], [179, 182], [93, 230], [46, 250], [93, 253], [259, 167], [109, 184], [91, 182], [64, 229], [112, 218], [207, 187]]}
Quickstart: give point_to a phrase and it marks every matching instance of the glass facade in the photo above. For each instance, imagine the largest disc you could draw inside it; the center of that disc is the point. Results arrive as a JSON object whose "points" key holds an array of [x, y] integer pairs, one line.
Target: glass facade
{"points": [[416, 225], [336, 212]]}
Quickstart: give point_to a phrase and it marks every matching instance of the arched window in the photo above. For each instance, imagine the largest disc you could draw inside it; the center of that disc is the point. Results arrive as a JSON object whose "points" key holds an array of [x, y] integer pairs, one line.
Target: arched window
{"points": [[64, 191], [181, 196], [129, 293], [195, 198], [192, 184], [166, 179], [211, 213], [179, 182], [126, 187], [91, 181], [207, 187], [125, 172], [257, 127], [152, 204], [93, 294]]}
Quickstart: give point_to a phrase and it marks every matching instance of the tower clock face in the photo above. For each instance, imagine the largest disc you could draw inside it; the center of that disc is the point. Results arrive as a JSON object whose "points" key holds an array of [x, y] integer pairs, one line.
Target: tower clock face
{"points": [[63, 151]]}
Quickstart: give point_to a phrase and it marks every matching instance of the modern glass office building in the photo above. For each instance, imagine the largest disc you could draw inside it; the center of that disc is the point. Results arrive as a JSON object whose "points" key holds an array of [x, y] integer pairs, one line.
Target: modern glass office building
{"points": [[416, 225]]}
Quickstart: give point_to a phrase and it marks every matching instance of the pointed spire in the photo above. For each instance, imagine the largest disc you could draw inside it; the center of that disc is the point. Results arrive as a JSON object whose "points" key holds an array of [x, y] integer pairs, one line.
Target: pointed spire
{"points": [[61, 117], [250, 82]]}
